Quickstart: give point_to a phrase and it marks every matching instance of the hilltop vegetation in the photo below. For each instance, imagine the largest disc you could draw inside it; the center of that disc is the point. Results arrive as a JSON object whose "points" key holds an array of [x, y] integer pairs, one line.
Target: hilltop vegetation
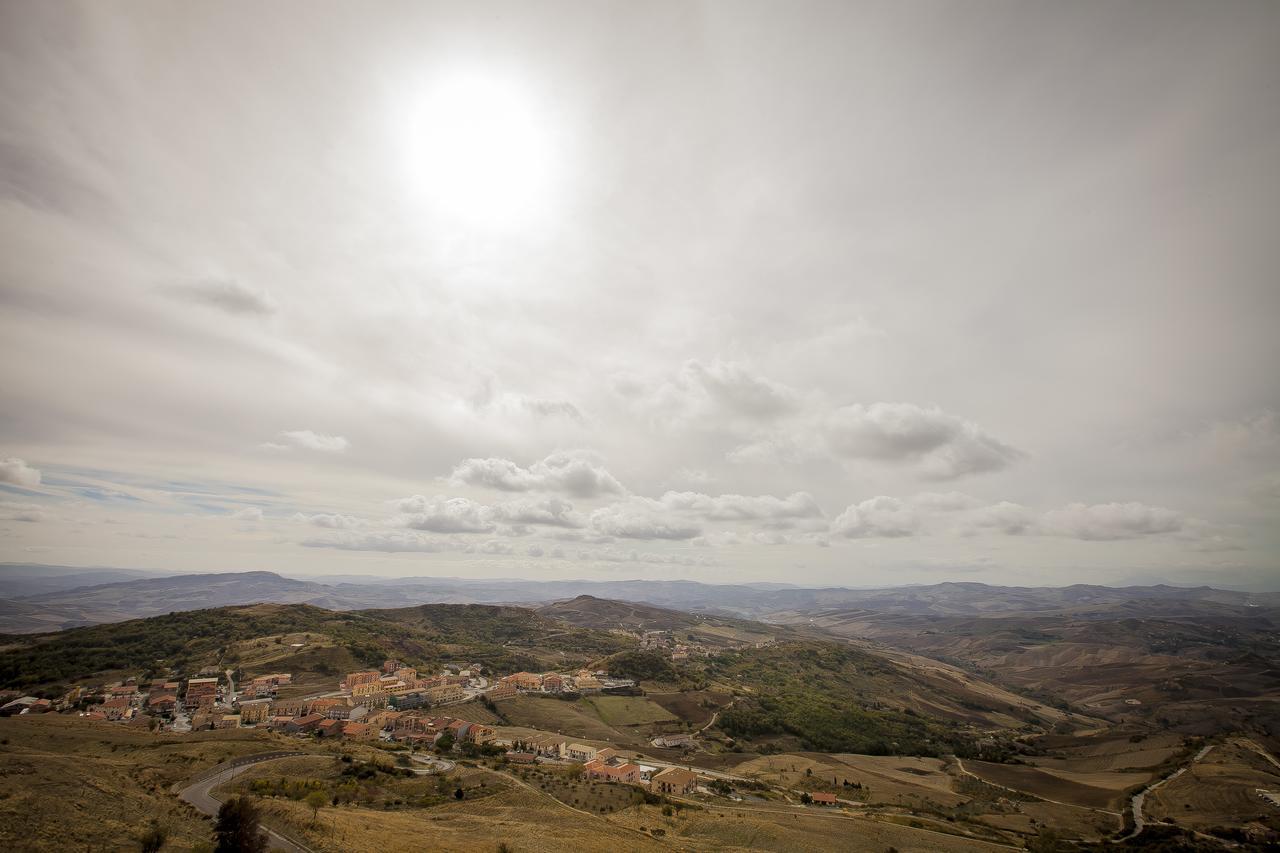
{"points": [[824, 696], [505, 638]]}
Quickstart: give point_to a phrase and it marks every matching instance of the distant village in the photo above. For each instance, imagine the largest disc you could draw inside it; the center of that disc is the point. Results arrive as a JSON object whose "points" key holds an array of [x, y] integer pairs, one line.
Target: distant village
{"points": [[395, 703]]}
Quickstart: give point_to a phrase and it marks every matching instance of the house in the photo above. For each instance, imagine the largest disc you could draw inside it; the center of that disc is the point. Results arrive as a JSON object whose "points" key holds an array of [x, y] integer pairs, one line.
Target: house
{"points": [[674, 780], [355, 679], [383, 719], [521, 757], [548, 745], [408, 701], [672, 741], [503, 691], [323, 706], [254, 711], [201, 692], [580, 752], [329, 728], [391, 665], [627, 772], [162, 703], [445, 693], [228, 721], [116, 708], [589, 684], [552, 682], [358, 730], [821, 799], [304, 725], [524, 680]]}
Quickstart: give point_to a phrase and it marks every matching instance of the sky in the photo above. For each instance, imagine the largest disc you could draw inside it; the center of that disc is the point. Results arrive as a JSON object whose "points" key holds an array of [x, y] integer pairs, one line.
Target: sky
{"points": [[848, 293]]}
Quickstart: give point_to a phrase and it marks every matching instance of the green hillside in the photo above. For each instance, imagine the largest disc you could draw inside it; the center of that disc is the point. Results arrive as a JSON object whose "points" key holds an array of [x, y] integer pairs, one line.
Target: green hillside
{"points": [[504, 638]]}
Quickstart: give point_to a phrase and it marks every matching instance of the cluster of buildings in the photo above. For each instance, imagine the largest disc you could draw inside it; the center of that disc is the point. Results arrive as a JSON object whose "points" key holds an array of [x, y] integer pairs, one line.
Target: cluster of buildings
{"points": [[401, 687], [584, 681]]}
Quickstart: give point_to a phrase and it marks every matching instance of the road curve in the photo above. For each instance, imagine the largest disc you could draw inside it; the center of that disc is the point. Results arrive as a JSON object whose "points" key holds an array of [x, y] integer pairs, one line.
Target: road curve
{"points": [[200, 793]]}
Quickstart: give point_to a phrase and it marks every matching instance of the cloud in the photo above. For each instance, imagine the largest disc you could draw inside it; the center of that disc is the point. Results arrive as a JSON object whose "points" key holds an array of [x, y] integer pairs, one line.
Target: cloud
{"points": [[550, 511], [534, 551], [642, 519], [577, 473], [945, 501], [306, 439], [551, 408], [1104, 522], [942, 446], [1005, 517], [443, 515], [249, 513], [743, 507], [737, 390], [225, 295], [23, 512], [390, 541], [876, 517], [16, 472], [333, 521]]}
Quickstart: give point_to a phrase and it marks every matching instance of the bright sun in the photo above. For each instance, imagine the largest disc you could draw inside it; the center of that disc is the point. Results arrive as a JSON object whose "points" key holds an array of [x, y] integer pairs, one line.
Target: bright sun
{"points": [[481, 153]]}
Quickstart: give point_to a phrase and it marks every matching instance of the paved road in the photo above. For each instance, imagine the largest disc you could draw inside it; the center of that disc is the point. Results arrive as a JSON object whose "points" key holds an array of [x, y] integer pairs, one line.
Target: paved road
{"points": [[200, 793]]}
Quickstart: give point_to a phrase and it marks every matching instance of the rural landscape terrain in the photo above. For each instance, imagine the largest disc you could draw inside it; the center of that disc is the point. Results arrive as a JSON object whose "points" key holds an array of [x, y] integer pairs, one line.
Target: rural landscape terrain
{"points": [[955, 717]]}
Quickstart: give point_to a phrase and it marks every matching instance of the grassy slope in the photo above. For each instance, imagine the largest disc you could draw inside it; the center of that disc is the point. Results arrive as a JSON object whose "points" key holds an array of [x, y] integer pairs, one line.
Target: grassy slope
{"points": [[830, 698], [71, 784]]}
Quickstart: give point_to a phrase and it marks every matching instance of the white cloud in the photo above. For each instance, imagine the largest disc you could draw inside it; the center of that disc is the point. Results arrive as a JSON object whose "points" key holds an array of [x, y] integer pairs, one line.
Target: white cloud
{"points": [[876, 517], [734, 388], [942, 446], [1111, 521], [642, 519], [578, 473], [743, 507], [225, 295], [443, 515], [306, 439], [333, 521], [945, 501], [16, 472], [249, 513], [534, 551], [552, 511], [1005, 517], [390, 541], [23, 512]]}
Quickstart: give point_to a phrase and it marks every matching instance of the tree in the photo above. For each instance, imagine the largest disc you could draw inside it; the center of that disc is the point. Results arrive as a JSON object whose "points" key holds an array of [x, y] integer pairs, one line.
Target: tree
{"points": [[458, 794], [154, 838], [237, 830], [316, 799], [805, 798]]}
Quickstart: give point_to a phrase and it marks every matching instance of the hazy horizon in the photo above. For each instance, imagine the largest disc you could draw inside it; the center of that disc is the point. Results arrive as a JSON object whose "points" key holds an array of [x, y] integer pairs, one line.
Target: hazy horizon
{"points": [[857, 295]]}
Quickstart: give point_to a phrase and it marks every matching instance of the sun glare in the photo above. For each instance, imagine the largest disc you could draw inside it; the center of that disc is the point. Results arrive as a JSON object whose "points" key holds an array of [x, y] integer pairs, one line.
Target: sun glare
{"points": [[480, 152]]}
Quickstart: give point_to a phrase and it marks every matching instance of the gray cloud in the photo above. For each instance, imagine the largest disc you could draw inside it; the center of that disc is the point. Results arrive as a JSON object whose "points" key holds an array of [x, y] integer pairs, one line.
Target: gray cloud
{"points": [[641, 519], [549, 511], [744, 507], [876, 517], [942, 446], [739, 391], [305, 439], [333, 521], [576, 473], [225, 295], [18, 473], [1111, 521], [443, 515]]}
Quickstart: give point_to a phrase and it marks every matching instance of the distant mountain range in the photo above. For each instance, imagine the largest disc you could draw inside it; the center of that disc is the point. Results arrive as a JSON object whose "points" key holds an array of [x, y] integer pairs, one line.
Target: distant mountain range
{"points": [[36, 598]]}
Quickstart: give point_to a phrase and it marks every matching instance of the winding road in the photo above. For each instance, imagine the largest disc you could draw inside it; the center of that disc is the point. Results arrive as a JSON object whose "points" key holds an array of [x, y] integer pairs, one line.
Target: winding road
{"points": [[1138, 823], [200, 792]]}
